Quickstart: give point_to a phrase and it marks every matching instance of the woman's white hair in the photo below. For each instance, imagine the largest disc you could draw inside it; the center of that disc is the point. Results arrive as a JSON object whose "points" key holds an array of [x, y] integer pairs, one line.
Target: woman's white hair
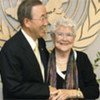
{"points": [[63, 22]]}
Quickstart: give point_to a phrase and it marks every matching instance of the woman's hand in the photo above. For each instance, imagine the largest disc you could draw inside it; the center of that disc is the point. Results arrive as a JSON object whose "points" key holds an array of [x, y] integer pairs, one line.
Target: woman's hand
{"points": [[53, 92], [64, 94]]}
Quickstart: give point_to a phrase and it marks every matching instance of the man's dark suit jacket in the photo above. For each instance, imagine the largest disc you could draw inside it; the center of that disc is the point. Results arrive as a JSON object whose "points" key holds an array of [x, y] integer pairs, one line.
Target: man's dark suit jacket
{"points": [[20, 71]]}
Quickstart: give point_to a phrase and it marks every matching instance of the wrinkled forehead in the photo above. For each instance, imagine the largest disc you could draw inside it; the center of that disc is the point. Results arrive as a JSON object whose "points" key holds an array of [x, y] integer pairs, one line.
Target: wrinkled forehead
{"points": [[39, 10]]}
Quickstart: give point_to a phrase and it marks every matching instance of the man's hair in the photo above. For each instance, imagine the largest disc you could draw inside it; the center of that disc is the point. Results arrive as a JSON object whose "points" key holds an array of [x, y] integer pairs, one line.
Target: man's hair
{"points": [[25, 8]]}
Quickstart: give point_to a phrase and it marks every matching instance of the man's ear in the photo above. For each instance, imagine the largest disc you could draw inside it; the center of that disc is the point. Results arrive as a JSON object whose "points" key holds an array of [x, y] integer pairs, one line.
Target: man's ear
{"points": [[27, 22]]}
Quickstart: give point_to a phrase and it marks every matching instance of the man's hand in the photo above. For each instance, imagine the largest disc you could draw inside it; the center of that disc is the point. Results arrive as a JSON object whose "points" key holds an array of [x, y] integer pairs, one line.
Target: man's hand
{"points": [[53, 92], [63, 94]]}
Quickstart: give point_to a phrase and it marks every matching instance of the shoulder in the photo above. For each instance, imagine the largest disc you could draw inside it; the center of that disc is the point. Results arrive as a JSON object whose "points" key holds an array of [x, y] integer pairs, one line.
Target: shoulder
{"points": [[81, 54], [41, 42], [12, 43], [83, 59]]}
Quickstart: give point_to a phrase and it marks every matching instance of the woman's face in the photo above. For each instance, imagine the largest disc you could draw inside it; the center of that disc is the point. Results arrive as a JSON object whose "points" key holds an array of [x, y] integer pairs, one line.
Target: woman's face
{"points": [[63, 39]]}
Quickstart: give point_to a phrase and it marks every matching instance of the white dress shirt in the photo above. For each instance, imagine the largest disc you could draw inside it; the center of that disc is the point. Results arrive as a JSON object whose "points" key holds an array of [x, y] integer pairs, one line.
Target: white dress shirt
{"points": [[33, 45]]}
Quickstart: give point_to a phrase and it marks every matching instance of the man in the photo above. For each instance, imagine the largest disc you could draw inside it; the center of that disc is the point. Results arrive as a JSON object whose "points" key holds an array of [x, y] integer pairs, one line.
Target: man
{"points": [[23, 72]]}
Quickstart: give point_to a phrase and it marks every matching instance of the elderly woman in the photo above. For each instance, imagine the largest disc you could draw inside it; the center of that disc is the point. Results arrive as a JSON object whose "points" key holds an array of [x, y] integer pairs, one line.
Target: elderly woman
{"points": [[70, 72]]}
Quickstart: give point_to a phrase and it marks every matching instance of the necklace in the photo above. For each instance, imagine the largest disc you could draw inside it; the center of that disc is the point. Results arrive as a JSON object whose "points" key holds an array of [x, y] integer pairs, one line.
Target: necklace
{"points": [[61, 62], [61, 65]]}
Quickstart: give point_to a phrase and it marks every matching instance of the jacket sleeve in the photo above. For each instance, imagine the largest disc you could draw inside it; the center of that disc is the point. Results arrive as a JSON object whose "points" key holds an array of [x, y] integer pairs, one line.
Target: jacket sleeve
{"points": [[12, 77], [87, 78]]}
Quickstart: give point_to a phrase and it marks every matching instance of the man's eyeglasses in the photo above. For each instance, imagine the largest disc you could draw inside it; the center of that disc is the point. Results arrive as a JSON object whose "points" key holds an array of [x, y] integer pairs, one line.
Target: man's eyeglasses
{"points": [[42, 18]]}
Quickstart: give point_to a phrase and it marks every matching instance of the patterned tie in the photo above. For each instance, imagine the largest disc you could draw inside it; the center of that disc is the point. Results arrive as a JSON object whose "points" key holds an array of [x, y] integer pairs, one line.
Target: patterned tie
{"points": [[37, 53]]}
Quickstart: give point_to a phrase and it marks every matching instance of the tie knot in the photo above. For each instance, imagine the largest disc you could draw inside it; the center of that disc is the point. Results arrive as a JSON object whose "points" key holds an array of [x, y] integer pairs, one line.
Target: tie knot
{"points": [[36, 46]]}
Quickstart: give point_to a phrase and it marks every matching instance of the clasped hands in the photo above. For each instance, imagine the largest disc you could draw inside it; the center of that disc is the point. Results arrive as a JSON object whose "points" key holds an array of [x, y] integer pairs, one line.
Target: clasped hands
{"points": [[62, 94]]}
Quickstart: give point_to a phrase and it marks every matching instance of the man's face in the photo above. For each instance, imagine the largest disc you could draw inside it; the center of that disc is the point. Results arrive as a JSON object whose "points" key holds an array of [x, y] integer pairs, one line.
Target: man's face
{"points": [[39, 21]]}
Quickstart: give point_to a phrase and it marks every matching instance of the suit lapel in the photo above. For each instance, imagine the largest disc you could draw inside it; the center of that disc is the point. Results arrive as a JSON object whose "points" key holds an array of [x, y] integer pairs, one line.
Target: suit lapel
{"points": [[43, 56], [29, 54], [42, 53]]}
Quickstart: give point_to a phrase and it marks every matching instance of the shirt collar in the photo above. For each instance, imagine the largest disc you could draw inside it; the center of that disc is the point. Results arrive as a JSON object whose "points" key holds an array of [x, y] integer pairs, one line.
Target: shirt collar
{"points": [[30, 40]]}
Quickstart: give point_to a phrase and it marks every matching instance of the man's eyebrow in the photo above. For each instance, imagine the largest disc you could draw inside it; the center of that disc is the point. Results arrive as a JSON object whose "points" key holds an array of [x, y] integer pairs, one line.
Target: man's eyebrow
{"points": [[49, 12], [44, 15]]}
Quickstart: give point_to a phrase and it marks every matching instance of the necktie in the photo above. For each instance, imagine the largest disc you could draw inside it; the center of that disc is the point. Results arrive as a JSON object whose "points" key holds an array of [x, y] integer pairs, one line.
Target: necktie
{"points": [[37, 53]]}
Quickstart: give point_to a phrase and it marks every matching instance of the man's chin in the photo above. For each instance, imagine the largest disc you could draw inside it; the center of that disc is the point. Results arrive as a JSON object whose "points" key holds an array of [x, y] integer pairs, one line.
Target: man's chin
{"points": [[42, 34]]}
